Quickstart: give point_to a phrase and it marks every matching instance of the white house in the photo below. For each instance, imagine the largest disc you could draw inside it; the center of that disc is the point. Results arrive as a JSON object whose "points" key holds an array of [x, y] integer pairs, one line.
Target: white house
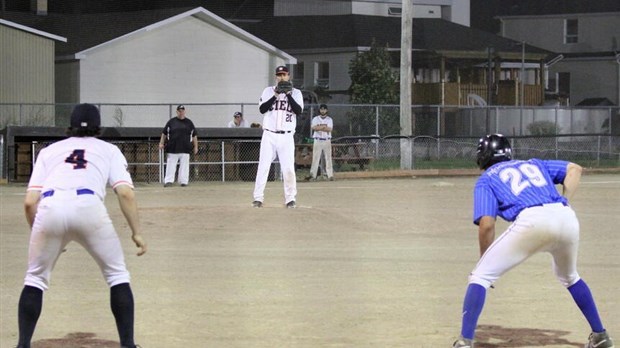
{"points": [[171, 56], [588, 40]]}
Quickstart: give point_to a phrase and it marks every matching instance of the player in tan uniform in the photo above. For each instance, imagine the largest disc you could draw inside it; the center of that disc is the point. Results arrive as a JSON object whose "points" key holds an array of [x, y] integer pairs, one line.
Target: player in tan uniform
{"points": [[65, 202], [322, 126]]}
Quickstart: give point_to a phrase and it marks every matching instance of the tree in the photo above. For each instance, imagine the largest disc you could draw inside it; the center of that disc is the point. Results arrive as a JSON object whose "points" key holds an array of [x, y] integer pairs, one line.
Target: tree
{"points": [[373, 82]]}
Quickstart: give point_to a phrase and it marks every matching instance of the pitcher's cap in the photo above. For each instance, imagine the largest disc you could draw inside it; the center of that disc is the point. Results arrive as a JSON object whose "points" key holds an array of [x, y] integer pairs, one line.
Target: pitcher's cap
{"points": [[281, 70], [85, 116]]}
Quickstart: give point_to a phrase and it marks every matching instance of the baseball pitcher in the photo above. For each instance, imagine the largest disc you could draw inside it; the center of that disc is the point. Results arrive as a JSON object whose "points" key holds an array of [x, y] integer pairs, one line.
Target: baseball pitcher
{"points": [[65, 202], [280, 104]]}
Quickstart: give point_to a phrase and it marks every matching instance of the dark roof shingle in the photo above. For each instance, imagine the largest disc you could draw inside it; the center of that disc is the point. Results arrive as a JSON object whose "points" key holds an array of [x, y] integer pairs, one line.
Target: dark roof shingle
{"points": [[316, 32], [84, 31]]}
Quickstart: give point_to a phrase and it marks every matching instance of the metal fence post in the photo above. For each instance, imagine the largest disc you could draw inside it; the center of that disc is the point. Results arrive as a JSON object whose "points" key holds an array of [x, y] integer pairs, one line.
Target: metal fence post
{"points": [[571, 122], [412, 152], [377, 120], [598, 150], [439, 120], [33, 148], [2, 173], [556, 119], [496, 119], [223, 161], [161, 166]]}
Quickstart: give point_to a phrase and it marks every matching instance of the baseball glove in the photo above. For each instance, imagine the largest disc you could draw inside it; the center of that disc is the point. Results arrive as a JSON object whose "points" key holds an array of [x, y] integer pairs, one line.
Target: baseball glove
{"points": [[284, 87]]}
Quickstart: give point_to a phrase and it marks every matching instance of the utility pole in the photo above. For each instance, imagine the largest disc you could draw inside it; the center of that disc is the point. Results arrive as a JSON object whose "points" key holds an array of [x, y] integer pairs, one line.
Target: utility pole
{"points": [[405, 84], [490, 51], [522, 91]]}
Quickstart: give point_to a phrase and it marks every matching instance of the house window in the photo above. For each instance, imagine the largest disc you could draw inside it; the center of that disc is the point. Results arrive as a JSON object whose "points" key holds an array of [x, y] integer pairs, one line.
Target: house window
{"points": [[395, 11], [322, 74], [571, 31], [298, 74]]}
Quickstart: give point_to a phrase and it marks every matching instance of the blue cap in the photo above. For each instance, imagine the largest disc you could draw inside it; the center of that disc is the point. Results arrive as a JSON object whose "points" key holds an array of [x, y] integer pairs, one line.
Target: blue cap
{"points": [[85, 116]]}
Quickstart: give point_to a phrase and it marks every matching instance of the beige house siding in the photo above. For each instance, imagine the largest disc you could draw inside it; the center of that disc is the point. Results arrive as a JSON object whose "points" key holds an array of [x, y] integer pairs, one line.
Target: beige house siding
{"points": [[590, 77], [597, 32], [456, 11], [26, 67]]}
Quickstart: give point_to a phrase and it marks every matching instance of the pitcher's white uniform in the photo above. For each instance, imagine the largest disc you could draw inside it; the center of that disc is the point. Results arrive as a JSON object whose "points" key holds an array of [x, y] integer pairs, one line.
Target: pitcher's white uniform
{"points": [[279, 124], [72, 175]]}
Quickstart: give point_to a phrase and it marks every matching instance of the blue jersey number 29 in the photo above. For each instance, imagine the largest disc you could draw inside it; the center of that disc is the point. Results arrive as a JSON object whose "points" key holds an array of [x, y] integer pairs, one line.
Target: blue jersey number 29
{"points": [[522, 178]]}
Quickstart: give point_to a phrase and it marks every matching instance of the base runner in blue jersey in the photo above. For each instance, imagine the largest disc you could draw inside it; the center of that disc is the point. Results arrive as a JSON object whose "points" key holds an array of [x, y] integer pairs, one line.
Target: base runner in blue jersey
{"points": [[524, 193]]}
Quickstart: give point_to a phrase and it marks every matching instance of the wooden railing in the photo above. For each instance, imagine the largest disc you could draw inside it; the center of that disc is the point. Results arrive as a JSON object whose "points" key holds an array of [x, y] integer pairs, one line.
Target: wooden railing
{"points": [[453, 93]]}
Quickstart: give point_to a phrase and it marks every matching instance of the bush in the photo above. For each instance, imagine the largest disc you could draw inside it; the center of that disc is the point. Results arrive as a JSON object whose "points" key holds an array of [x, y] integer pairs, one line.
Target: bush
{"points": [[543, 128]]}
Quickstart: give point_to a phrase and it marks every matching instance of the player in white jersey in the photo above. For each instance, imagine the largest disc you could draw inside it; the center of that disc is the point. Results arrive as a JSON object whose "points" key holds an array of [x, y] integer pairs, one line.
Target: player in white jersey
{"points": [[322, 126], [280, 109], [65, 202]]}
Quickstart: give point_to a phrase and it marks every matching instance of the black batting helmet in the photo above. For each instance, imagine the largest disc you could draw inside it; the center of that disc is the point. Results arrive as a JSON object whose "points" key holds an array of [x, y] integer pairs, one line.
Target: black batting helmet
{"points": [[492, 149]]}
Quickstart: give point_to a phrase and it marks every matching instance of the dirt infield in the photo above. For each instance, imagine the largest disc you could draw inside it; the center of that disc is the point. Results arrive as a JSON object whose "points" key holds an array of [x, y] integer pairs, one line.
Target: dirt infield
{"points": [[360, 263]]}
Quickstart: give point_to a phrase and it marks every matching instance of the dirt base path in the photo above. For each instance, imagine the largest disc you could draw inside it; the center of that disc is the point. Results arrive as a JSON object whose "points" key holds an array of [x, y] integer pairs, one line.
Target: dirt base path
{"points": [[360, 263]]}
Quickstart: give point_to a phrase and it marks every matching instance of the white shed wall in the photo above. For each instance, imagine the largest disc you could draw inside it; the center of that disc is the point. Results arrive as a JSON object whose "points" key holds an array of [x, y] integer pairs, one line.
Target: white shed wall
{"points": [[187, 61]]}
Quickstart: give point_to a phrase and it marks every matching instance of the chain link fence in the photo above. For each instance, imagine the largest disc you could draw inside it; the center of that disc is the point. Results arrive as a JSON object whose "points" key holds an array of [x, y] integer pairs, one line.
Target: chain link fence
{"points": [[349, 119], [365, 137], [237, 160]]}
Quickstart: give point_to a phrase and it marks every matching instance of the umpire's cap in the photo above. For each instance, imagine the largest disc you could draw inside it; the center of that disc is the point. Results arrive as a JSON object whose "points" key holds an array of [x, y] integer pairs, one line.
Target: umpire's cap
{"points": [[85, 116]]}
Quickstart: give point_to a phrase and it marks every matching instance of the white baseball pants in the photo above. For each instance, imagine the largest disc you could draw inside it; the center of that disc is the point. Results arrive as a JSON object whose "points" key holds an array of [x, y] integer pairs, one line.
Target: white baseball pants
{"points": [[66, 217], [322, 146], [551, 228], [171, 167], [282, 146]]}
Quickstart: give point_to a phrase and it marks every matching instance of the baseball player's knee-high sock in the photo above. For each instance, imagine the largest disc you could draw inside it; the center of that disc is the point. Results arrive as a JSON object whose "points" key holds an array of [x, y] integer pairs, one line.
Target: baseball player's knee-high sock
{"points": [[472, 307], [30, 304], [121, 302], [583, 297]]}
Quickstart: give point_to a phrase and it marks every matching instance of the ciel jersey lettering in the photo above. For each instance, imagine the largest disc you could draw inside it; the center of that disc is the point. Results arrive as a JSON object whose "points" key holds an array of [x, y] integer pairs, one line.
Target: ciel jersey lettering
{"points": [[280, 115], [282, 105]]}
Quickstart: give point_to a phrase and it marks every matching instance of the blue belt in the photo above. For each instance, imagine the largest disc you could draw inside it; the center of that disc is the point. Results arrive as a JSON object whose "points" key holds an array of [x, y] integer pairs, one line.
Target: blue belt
{"points": [[277, 132], [542, 204], [321, 139], [79, 192]]}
